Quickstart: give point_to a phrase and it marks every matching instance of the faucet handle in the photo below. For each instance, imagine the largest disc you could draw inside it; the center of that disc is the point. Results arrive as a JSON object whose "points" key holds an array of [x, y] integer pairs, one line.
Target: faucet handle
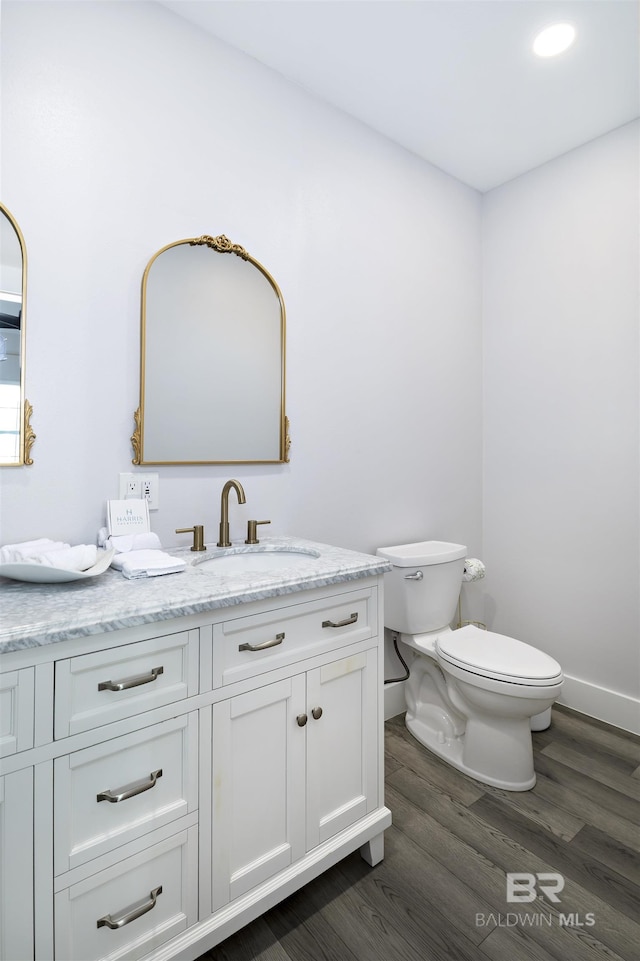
{"points": [[252, 533], [198, 536]]}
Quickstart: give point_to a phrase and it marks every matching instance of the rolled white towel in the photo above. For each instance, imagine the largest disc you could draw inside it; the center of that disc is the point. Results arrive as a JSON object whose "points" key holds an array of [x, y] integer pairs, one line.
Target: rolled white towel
{"points": [[78, 558], [26, 550], [124, 543], [147, 563], [474, 570]]}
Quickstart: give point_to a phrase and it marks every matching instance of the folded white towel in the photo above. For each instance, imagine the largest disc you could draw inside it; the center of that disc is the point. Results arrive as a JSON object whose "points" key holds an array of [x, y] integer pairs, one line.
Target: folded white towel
{"points": [[124, 543], [78, 558], [25, 551], [147, 563], [128, 542]]}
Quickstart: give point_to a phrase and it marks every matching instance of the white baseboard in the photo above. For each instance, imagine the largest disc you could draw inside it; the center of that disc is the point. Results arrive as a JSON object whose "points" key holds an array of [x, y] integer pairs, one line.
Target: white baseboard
{"points": [[394, 699], [621, 710]]}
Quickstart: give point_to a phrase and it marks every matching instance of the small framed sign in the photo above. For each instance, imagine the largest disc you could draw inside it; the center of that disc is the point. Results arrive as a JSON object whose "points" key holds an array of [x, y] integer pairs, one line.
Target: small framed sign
{"points": [[128, 517]]}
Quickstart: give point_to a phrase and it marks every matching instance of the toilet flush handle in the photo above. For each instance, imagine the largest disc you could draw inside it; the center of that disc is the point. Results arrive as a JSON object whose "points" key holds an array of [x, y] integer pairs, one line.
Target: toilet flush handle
{"points": [[414, 577]]}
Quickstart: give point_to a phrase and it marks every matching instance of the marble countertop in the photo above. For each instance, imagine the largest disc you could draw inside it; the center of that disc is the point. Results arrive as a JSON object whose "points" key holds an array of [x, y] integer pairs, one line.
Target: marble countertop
{"points": [[32, 615]]}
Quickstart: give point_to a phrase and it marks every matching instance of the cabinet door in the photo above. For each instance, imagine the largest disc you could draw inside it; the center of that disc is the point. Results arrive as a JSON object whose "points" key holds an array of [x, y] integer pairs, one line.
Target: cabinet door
{"points": [[342, 757], [16, 865], [258, 764]]}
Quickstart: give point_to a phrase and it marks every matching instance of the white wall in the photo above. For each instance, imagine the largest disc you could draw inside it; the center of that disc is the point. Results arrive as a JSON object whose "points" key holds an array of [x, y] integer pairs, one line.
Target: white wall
{"points": [[561, 403], [125, 128]]}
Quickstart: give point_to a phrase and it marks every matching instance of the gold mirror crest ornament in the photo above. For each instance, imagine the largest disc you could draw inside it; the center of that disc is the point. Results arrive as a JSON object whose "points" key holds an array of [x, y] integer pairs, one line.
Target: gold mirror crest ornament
{"points": [[16, 434], [212, 360]]}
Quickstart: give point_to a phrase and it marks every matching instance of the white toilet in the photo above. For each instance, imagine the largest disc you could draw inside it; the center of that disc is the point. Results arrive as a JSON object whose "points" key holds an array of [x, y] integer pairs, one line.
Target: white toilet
{"points": [[471, 694]]}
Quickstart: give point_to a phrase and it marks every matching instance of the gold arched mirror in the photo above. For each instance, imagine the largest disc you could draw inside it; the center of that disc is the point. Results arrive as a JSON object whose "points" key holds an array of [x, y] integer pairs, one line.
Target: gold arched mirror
{"points": [[212, 379], [16, 435]]}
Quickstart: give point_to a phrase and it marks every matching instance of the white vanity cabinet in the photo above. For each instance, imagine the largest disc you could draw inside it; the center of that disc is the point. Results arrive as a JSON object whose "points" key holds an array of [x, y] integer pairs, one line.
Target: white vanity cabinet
{"points": [[165, 784]]}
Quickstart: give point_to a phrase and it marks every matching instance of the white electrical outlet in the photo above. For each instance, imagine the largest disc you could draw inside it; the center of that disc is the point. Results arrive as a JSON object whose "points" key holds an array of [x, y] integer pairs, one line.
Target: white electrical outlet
{"points": [[149, 490], [129, 486], [141, 486]]}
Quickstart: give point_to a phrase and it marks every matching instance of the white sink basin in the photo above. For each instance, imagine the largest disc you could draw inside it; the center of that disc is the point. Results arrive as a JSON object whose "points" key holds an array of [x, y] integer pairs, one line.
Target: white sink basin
{"points": [[248, 561]]}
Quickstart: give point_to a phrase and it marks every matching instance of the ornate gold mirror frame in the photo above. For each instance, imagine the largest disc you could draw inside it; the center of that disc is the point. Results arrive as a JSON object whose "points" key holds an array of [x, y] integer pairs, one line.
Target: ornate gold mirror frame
{"points": [[15, 409], [212, 358]]}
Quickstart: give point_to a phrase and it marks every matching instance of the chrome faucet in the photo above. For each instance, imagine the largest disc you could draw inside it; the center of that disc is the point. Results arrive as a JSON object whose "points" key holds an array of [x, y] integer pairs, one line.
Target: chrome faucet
{"points": [[224, 510]]}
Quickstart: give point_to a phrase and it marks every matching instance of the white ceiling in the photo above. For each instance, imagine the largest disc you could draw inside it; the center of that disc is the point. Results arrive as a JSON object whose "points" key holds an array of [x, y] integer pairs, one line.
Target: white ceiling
{"points": [[454, 81]]}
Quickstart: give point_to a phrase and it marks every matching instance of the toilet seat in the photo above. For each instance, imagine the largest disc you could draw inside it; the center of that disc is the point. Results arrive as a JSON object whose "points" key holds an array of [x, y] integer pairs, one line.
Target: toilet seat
{"points": [[497, 657]]}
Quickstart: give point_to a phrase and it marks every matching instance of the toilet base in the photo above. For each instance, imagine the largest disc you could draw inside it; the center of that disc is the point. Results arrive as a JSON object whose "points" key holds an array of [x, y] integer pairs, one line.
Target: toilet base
{"points": [[452, 749]]}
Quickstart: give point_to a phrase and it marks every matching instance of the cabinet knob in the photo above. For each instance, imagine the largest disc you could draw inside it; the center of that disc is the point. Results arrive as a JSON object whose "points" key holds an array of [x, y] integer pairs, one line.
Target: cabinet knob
{"points": [[316, 713], [302, 720]]}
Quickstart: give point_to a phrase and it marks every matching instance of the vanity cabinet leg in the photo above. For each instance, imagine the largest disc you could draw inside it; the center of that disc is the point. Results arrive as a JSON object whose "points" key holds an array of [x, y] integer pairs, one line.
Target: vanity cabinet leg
{"points": [[373, 851]]}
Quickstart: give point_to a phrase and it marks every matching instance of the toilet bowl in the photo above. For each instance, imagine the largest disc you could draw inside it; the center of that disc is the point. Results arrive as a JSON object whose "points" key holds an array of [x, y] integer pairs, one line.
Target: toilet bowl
{"points": [[471, 694]]}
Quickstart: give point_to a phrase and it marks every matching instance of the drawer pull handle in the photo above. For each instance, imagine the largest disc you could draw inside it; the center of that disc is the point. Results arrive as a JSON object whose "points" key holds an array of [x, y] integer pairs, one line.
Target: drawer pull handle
{"points": [[302, 720], [130, 790], [130, 914], [348, 620], [316, 713], [278, 639], [129, 682]]}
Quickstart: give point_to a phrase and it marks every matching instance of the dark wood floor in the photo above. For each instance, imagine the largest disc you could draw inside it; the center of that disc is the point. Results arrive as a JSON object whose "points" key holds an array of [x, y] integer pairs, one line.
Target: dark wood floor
{"points": [[440, 893]]}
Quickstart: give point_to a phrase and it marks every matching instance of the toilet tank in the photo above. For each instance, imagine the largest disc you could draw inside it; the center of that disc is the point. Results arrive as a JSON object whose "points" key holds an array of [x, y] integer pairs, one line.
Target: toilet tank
{"points": [[426, 602]]}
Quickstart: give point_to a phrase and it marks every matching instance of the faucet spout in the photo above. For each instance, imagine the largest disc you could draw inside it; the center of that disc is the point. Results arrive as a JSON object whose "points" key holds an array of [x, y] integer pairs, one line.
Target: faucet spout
{"points": [[224, 509]]}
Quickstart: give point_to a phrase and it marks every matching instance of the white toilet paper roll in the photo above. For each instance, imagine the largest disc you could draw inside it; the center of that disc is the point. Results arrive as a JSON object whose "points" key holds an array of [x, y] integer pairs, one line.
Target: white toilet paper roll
{"points": [[474, 570]]}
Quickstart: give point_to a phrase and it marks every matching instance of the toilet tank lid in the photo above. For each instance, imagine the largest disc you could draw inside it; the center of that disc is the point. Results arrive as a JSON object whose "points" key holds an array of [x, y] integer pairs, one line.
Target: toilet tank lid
{"points": [[423, 553]]}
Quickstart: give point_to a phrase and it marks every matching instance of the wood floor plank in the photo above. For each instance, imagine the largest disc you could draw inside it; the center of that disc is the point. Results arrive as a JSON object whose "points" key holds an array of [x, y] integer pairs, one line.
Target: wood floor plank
{"points": [[513, 944], [302, 928], [402, 747], [403, 886], [541, 811], [595, 768], [593, 738], [617, 856], [581, 867], [391, 764], [597, 805], [501, 854], [255, 942], [368, 934]]}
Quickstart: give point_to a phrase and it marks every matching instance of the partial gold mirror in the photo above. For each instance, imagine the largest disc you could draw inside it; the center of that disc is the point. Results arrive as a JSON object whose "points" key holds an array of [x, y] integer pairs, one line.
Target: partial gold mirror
{"points": [[212, 379], [16, 435]]}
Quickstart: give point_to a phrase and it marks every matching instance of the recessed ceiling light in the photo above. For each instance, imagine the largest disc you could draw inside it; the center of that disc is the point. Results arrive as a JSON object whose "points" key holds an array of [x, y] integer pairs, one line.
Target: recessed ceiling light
{"points": [[554, 39]]}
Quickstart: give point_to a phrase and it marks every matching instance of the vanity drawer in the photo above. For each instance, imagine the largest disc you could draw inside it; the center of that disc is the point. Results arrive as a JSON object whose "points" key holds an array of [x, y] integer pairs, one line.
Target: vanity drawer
{"points": [[16, 711], [107, 795], [97, 689], [246, 646], [153, 896]]}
